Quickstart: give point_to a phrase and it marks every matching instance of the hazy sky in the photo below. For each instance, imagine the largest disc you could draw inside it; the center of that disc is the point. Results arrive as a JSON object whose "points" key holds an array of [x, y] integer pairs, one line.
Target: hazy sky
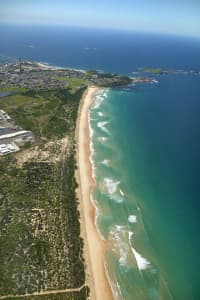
{"points": [[165, 16]]}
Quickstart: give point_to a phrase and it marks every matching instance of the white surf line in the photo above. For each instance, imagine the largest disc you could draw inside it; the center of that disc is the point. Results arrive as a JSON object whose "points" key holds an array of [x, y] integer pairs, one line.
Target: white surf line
{"points": [[117, 293]]}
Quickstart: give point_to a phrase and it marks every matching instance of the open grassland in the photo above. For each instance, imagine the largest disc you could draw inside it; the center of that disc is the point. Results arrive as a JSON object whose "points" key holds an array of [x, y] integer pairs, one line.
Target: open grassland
{"points": [[50, 115], [72, 82], [40, 244]]}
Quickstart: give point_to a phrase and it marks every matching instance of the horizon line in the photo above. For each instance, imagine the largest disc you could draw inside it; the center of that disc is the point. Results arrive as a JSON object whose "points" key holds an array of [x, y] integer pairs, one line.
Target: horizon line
{"points": [[76, 26]]}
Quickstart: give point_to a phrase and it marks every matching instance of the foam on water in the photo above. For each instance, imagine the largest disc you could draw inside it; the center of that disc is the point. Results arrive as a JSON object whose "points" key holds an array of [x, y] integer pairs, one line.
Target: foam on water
{"points": [[123, 258], [98, 101], [120, 236], [121, 192], [115, 286], [92, 151], [132, 219], [102, 125], [111, 185], [93, 168], [154, 81], [99, 98], [91, 131], [117, 198], [112, 189], [97, 214], [122, 246], [106, 162], [100, 114], [142, 262], [102, 139]]}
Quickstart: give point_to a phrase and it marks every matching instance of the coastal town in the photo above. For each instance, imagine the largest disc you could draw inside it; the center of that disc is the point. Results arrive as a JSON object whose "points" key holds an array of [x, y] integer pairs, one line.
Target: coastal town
{"points": [[37, 76], [26, 76]]}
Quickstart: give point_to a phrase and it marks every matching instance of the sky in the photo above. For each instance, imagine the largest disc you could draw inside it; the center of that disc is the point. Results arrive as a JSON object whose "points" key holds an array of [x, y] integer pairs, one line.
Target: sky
{"points": [[180, 17]]}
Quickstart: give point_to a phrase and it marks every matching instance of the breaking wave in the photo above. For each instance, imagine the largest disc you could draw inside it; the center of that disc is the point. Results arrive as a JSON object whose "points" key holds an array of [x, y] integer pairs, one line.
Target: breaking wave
{"points": [[142, 262], [100, 114], [105, 162], [132, 219], [111, 185], [118, 217], [111, 188], [99, 98], [92, 151], [102, 125]]}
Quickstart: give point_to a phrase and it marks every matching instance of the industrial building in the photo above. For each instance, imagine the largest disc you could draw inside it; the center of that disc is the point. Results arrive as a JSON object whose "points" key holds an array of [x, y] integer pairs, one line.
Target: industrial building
{"points": [[7, 148]]}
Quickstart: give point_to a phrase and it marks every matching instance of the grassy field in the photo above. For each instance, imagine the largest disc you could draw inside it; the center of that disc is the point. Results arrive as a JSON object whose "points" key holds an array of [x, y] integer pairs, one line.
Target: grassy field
{"points": [[40, 244], [72, 82], [48, 114], [13, 89]]}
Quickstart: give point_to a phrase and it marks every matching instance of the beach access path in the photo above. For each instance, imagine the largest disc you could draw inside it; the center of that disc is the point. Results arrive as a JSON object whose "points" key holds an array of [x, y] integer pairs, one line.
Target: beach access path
{"points": [[51, 292]]}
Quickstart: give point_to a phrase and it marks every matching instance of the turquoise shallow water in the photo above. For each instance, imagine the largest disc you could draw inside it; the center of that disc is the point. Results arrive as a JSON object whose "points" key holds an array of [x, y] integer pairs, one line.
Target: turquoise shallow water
{"points": [[144, 148]]}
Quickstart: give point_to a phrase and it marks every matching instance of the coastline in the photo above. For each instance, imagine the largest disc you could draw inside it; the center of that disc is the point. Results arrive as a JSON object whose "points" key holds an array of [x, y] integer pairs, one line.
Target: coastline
{"points": [[46, 66], [94, 246]]}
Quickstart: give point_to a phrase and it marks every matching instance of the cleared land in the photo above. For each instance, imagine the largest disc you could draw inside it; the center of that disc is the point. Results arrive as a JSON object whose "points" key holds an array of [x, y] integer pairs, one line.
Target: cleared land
{"points": [[40, 244]]}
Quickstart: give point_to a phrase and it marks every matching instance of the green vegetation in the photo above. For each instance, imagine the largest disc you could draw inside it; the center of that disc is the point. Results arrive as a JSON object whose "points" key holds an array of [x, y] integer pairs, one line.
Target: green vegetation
{"points": [[83, 294], [47, 113], [91, 72], [76, 82], [40, 244], [155, 71], [72, 82], [14, 89]]}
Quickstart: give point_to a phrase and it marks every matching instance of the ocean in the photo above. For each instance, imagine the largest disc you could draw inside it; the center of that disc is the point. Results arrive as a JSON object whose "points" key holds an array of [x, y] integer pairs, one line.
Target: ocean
{"points": [[145, 150]]}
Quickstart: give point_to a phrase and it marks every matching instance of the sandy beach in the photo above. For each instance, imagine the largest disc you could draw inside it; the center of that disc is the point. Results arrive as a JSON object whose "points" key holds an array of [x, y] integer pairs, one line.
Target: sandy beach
{"points": [[94, 247]]}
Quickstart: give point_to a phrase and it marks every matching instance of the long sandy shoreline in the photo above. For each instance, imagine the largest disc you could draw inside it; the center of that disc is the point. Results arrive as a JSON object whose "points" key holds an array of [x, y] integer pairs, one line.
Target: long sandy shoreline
{"points": [[94, 247]]}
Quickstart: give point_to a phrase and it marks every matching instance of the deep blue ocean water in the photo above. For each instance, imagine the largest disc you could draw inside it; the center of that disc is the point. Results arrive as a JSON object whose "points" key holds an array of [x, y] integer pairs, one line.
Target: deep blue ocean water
{"points": [[146, 152], [112, 51]]}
